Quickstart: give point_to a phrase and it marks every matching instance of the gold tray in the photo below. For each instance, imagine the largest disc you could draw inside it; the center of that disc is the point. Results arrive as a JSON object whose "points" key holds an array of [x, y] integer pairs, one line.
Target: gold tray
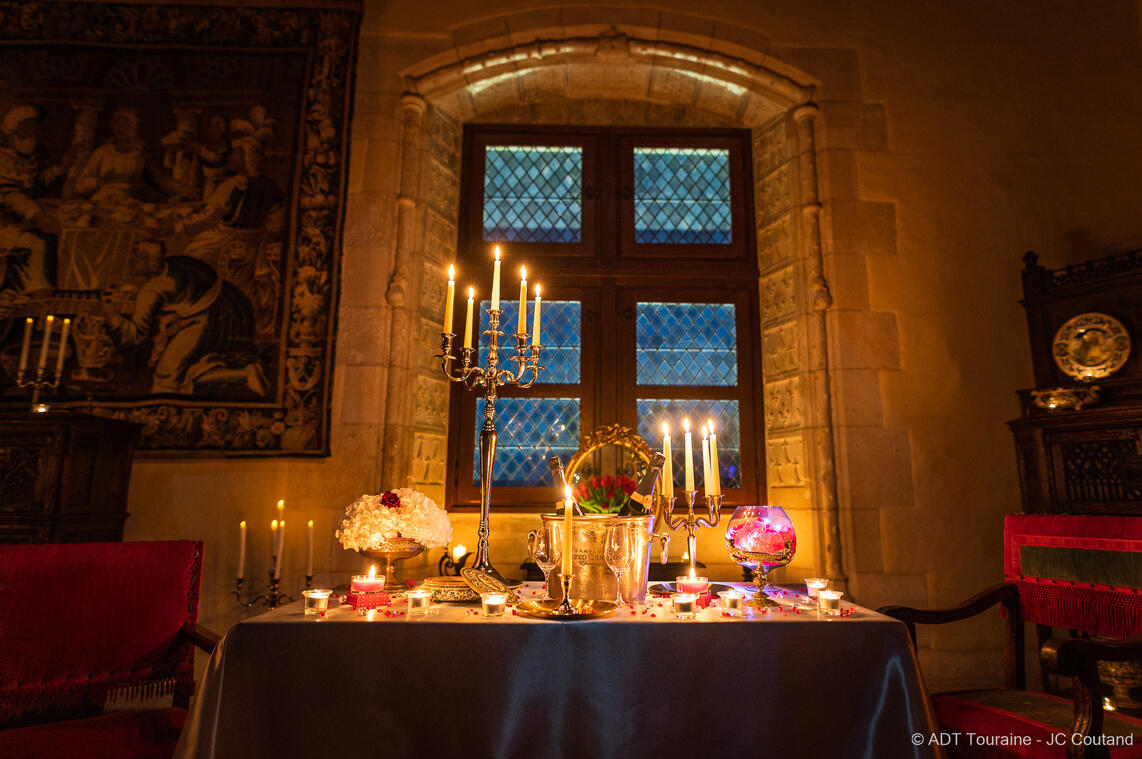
{"points": [[668, 588], [583, 609], [449, 589]]}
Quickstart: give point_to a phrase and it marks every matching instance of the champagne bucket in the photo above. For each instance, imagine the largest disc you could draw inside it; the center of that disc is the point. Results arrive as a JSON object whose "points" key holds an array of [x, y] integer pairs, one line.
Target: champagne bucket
{"points": [[591, 578]]}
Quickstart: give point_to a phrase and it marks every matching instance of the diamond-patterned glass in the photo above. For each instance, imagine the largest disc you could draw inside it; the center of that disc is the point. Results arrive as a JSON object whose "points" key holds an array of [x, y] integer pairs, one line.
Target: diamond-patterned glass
{"points": [[529, 430], [652, 412], [682, 195], [533, 193], [559, 332], [687, 344]]}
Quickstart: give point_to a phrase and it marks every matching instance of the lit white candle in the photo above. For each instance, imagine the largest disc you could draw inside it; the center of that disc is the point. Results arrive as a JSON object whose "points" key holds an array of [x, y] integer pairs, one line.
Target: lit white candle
{"points": [[309, 559], [522, 300], [241, 549], [450, 299], [63, 345], [668, 465], [568, 511], [29, 325], [281, 550], [274, 538], [688, 473], [468, 322], [535, 323], [706, 461], [496, 281], [47, 342], [281, 526], [715, 466]]}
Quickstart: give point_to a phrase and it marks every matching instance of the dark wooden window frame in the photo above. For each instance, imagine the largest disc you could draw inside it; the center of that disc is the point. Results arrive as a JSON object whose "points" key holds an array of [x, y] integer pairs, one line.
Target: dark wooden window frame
{"points": [[609, 274]]}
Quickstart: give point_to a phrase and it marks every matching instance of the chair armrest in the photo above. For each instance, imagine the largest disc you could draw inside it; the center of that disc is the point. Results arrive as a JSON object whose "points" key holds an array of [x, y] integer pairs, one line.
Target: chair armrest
{"points": [[200, 636], [1067, 655], [1004, 593]]}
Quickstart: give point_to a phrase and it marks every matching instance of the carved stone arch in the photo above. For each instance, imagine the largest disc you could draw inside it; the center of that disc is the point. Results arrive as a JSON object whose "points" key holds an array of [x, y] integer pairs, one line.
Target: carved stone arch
{"points": [[632, 76]]}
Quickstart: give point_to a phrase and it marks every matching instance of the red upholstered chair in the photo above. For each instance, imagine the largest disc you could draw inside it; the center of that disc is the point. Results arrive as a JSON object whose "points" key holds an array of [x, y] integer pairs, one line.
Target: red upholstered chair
{"points": [[1081, 573], [80, 621]]}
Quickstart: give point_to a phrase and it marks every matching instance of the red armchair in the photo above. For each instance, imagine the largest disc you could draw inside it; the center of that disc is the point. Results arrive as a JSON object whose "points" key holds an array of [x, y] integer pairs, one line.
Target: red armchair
{"points": [[80, 622], [1080, 573]]}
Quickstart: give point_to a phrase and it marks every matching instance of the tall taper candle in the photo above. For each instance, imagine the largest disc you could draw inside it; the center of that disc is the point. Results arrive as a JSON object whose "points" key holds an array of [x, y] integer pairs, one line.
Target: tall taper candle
{"points": [[706, 461], [688, 473], [63, 346], [535, 324], [496, 281], [468, 322], [309, 559], [29, 325], [47, 341], [241, 549], [522, 300], [568, 511], [715, 467], [281, 524], [668, 465], [281, 550], [274, 539], [450, 299]]}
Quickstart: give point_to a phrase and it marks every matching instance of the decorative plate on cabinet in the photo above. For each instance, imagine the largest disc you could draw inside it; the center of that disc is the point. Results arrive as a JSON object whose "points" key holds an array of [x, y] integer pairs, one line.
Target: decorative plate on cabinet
{"points": [[1091, 346]]}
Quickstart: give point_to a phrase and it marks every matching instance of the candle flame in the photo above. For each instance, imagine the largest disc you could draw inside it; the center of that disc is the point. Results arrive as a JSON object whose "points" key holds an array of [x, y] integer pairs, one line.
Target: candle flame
{"points": [[705, 433], [50, 319], [459, 551], [685, 425], [710, 424], [273, 524], [281, 505], [372, 571], [242, 524], [311, 523], [67, 321], [523, 273], [665, 430], [30, 320], [471, 293], [537, 291], [451, 273], [497, 252]]}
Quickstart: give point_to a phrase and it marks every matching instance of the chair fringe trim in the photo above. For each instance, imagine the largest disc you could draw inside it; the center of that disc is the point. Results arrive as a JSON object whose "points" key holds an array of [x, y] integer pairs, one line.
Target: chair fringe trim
{"points": [[1118, 615], [101, 688]]}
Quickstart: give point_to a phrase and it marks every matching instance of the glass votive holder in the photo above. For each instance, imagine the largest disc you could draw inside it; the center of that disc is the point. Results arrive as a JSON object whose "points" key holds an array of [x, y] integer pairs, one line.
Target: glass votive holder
{"points": [[316, 600], [685, 605], [731, 602], [688, 584], [419, 601], [829, 602], [815, 585], [493, 604]]}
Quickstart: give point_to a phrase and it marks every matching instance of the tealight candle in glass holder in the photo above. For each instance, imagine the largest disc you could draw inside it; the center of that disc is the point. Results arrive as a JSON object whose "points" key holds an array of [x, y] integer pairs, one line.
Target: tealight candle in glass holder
{"points": [[829, 602], [316, 600], [687, 584], [493, 604], [731, 602], [419, 601], [685, 605], [815, 585]]}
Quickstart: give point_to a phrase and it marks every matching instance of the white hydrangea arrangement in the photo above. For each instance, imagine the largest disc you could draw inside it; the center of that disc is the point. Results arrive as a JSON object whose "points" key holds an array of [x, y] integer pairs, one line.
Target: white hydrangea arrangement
{"points": [[402, 513]]}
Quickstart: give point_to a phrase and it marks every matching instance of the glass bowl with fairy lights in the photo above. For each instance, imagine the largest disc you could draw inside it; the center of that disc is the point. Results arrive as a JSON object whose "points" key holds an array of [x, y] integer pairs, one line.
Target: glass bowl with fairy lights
{"points": [[761, 538]]}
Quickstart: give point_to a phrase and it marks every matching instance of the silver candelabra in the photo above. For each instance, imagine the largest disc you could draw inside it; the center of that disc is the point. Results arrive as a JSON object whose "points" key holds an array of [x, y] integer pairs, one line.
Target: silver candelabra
{"points": [[488, 379]]}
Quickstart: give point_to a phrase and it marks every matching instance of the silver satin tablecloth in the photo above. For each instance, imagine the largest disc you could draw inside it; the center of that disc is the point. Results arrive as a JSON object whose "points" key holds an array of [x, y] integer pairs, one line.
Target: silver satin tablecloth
{"points": [[452, 684]]}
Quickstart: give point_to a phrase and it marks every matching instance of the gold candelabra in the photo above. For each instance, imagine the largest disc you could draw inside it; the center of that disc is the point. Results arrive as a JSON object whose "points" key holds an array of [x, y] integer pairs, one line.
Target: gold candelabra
{"points": [[488, 379], [38, 384], [692, 521]]}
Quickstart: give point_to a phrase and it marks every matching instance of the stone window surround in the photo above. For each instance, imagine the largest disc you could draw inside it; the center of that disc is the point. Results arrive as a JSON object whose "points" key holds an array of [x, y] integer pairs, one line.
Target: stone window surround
{"points": [[706, 86]]}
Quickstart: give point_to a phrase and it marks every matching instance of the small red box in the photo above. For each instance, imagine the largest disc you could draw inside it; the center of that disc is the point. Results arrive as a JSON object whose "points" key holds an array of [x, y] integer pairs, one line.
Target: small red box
{"points": [[370, 600]]}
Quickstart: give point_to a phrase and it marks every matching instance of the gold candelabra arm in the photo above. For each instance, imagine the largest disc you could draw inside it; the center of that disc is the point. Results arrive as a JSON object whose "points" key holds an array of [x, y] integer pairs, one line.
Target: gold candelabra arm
{"points": [[714, 504], [38, 384], [446, 357]]}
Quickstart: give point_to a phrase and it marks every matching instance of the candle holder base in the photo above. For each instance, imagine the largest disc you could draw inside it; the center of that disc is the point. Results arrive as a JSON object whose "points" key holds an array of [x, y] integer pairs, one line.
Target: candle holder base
{"points": [[564, 611]]}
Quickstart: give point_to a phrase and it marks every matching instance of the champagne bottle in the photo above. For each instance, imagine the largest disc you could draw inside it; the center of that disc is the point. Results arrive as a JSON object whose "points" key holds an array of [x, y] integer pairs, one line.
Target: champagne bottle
{"points": [[555, 464], [641, 500]]}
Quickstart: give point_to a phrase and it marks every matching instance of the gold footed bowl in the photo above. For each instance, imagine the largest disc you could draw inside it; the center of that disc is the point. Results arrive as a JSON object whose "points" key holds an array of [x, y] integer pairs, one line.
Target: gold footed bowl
{"points": [[583, 609], [392, 551]]}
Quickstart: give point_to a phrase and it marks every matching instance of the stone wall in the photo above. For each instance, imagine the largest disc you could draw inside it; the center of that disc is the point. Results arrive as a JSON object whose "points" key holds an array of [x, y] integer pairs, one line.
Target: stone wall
{"points": [[945, 141]]}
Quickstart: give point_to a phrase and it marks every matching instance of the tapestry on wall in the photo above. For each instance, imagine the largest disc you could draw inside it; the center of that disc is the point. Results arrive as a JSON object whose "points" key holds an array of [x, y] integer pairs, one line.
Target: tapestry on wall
{"points": [[172, 178]]}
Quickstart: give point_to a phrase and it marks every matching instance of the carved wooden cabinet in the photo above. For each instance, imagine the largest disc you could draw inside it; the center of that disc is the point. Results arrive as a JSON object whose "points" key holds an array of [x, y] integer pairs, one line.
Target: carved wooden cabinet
{"points": [[64, 477], [1089, 460]]}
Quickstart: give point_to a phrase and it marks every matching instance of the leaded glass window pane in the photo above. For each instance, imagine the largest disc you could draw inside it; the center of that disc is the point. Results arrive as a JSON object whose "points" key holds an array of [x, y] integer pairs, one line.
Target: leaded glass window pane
{"points": [[682, 195], [533, 193], [652, 412], [687, 344], [560, 333], [529, 431]]}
